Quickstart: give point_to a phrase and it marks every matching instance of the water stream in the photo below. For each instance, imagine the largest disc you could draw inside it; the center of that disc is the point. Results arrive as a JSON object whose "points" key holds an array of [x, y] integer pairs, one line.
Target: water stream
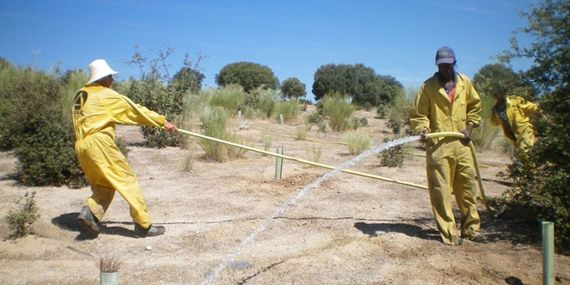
{"points": [[213, 274]]}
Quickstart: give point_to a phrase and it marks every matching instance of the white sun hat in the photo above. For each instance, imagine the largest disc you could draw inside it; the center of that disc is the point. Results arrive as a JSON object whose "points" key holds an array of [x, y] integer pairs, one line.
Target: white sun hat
{"points": [[99, 69]]}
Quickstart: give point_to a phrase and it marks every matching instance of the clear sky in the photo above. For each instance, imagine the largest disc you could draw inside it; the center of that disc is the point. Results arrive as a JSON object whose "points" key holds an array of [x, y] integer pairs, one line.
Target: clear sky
{"points": [[292, 37]]}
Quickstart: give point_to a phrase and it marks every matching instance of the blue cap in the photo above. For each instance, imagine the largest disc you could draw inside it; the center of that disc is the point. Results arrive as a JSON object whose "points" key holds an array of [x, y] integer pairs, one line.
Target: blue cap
{"points": [[444, 55]]}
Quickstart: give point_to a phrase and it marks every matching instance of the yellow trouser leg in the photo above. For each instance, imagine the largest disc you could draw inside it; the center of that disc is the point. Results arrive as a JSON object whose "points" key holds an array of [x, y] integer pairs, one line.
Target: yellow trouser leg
{"points": [[465, 194], [439, 168], [107, 169]]}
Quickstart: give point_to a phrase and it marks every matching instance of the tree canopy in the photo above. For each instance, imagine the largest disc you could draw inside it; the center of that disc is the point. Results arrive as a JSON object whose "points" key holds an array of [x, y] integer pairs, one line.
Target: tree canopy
{"points": [[358, 81], [500, 79], [293, 88], [542, 176], [248, 75], [187, 79]]}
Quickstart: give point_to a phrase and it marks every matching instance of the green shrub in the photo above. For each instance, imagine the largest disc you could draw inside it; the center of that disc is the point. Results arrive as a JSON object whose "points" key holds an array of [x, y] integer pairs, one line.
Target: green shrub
{"points": [[289, 109], [357, 142], [339, 112], [43, 136], [21, 219], [153, 94], [392, 157], [230, 98], [398, 113], [214, 124], [260, 102]]}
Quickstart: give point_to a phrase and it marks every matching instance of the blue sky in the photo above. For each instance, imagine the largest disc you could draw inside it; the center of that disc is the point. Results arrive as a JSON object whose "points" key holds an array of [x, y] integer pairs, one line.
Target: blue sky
{"points": [[293, 38]]}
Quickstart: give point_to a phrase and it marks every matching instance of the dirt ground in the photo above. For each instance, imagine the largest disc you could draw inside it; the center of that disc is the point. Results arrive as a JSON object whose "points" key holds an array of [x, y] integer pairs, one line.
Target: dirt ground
{"points": [[229, 223]]}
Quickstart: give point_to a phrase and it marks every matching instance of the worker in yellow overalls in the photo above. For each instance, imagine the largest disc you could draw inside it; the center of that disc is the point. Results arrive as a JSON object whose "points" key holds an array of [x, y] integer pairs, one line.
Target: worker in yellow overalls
{"points": [[513, 114], [448, 102], [96, 110]]}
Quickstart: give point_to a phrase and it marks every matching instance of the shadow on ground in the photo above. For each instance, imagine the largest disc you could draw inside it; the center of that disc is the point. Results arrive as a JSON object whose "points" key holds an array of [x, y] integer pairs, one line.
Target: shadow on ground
{"points": [[412, 230], [69, 222]]}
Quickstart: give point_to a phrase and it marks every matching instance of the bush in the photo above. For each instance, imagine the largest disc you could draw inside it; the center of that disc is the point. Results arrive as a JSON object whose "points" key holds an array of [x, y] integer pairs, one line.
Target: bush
{"points": [[230, 98], [357, 142], [339, 112], [392, 157], [397, 113], [214, 124], [21, 220], [260, 102], [43, 136], [289, 109]]}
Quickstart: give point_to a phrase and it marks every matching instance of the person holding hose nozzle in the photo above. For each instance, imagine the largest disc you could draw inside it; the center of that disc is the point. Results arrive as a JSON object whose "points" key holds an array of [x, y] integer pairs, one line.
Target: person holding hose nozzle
{"points": [[96, 111], [448, 102]]}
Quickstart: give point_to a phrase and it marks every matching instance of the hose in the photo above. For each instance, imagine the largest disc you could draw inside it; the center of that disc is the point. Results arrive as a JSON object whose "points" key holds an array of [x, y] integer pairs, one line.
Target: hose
{"points": [[444, 134]]}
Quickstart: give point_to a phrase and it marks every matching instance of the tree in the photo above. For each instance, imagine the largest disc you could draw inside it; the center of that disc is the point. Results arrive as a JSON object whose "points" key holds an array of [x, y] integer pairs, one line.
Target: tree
{"points": [[358, 81], [187, 79], [247, 74], [293, 88], [497, 78], [542, 176]]}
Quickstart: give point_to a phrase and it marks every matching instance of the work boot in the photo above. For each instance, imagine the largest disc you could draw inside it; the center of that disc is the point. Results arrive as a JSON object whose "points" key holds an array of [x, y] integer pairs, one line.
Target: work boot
{"points": [[149, 232], [87, 221], [478, 239]]}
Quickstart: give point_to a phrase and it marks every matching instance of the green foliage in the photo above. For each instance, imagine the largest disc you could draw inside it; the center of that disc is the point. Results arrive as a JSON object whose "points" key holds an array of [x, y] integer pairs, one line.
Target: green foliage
{"points": [[484, 135], [21, 219], [358, 81], [186, 80], [542, 176], [392, 157], [42, 137], [230, 97], [357, 142], [339, 112], [293, 88], [152, 92], [260, 101], [214, 124], [398, 113], [497, 79], [289, 109], [248, 75]]}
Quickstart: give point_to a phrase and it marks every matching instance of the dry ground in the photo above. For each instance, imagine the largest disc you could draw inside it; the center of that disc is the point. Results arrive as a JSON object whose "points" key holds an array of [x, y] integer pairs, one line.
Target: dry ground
{"points": [[349, 230]]}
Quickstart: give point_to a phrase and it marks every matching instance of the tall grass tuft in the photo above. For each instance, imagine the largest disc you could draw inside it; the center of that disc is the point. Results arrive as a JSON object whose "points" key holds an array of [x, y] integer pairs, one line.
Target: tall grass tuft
{"points": [[289, 109], [339, 112], [357, 142], [230, 98], [214, 124]]}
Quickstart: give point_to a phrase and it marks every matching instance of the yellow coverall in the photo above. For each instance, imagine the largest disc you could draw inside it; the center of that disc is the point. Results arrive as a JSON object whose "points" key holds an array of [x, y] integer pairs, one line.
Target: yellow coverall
{"points": [[449, 162], [96, 110], [519, 129]]}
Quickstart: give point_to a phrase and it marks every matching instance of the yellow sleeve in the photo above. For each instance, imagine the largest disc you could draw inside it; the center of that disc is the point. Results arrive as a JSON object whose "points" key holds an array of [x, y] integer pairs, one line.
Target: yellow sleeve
{"points": [[528, 108], [473, 106], [419, 116], [122, 112]]}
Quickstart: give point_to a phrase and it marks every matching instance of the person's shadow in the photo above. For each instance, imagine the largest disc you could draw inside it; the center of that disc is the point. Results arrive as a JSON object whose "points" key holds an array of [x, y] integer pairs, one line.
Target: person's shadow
{"points": [[69, 222], [376, 229]]}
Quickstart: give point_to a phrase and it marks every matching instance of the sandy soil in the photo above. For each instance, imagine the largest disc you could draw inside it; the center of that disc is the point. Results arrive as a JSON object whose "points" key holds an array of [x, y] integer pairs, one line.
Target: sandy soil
{"points": [[224, 223]]}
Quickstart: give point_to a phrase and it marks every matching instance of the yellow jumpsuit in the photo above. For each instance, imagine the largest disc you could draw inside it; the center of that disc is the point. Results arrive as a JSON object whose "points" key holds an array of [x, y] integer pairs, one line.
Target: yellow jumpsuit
{"points": [[519, 129], [96, 110], [449, 162]]}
